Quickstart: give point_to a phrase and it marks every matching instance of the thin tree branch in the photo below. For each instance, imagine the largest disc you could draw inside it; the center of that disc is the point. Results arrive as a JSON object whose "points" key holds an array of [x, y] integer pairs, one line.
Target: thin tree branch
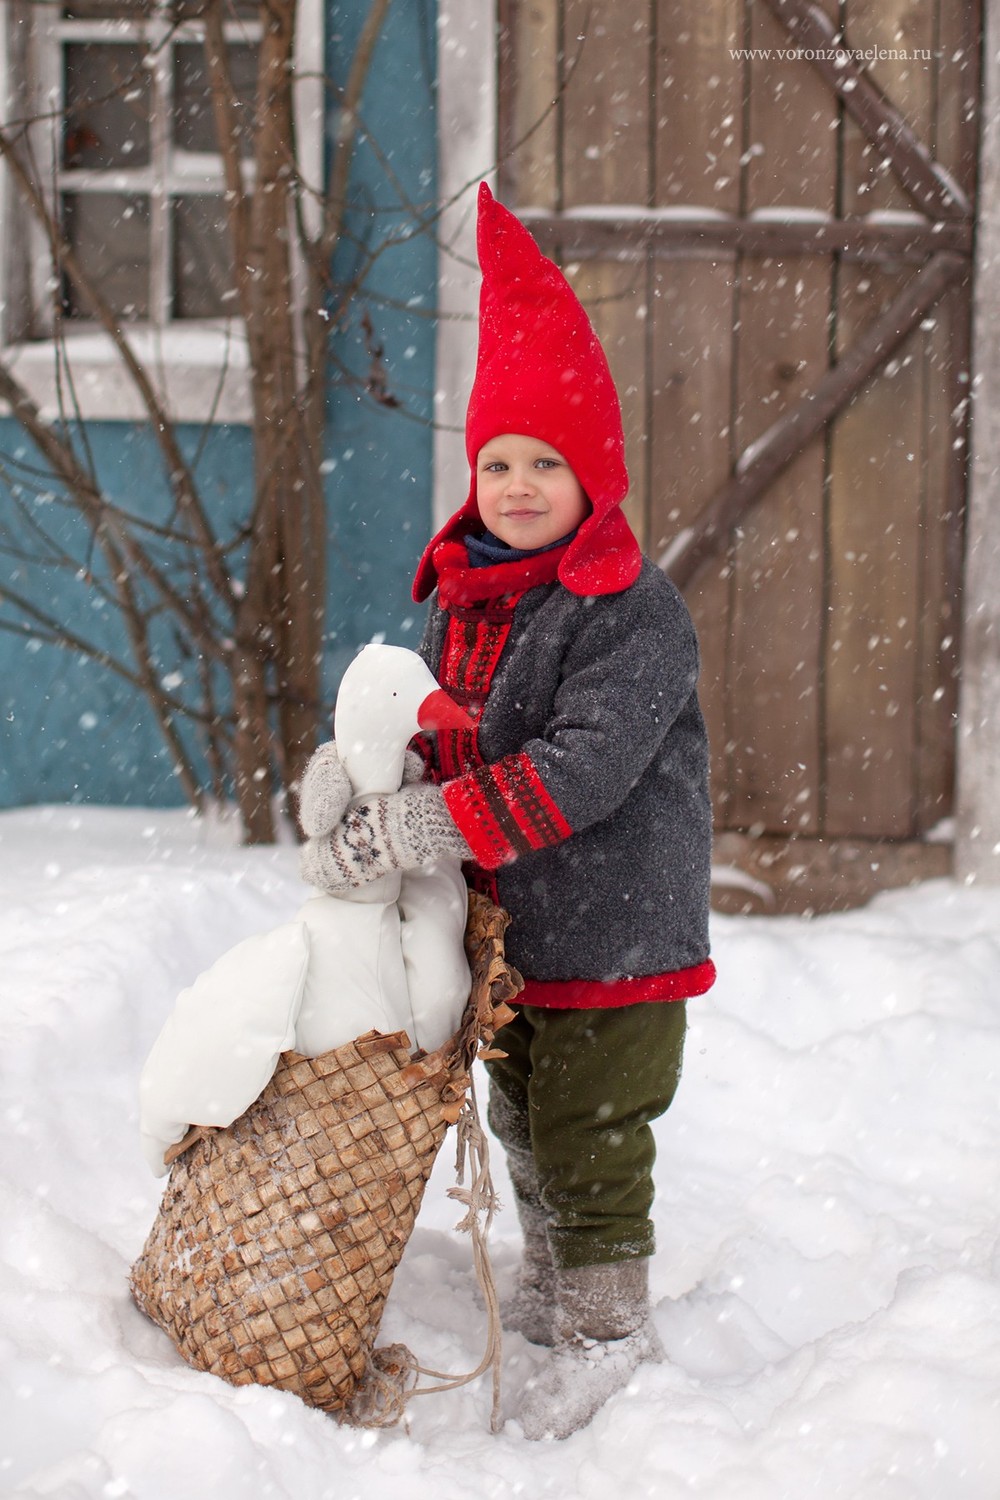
{"points": [[178, 473], [93, 506], [137, 628], [335, 199], [41, 484], [52, 632], [228, 140]]}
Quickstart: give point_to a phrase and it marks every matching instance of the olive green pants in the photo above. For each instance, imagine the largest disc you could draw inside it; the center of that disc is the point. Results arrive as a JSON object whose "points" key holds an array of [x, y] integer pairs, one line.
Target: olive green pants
{"points": [[577, 1091]]}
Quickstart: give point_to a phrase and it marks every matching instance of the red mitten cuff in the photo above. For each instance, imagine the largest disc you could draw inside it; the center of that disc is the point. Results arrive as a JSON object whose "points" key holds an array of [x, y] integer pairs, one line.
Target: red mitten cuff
{"points": [[503, 811]]}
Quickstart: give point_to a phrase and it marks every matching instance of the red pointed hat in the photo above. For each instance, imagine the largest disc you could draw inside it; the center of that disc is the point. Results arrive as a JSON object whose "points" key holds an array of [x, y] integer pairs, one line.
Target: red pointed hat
{"points": [[541, 372]]}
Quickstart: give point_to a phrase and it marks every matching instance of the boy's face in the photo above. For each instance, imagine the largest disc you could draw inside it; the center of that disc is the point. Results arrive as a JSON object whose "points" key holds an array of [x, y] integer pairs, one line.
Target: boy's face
{"points": [[527, 493]]}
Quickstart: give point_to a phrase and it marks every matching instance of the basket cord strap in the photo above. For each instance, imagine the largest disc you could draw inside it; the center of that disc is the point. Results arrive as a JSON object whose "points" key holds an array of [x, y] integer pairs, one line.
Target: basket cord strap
{"points": [[392, 1371], [481, 1204]]}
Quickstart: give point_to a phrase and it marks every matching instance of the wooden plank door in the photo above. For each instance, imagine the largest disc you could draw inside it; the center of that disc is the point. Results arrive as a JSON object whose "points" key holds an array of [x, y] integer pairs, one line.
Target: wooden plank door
{"points": [[770, 222]]}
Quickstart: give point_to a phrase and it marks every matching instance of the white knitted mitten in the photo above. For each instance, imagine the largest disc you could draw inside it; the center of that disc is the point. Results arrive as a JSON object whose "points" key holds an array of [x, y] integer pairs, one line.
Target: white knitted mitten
{"points": [[399, 831], [324, 793], [414, 769], [326, 788]]}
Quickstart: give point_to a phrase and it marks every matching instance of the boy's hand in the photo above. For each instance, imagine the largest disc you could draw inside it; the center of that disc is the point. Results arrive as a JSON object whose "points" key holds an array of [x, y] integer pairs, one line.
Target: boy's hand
{"points": [[398, 831]]}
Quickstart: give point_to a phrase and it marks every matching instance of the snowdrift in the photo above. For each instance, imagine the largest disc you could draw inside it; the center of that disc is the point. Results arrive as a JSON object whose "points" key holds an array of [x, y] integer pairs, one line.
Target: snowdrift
{"points": [[828, 1273]]}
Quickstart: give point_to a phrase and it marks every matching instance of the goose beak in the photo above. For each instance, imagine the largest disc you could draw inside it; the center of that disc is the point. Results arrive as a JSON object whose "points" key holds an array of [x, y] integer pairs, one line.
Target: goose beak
{"points": [[438, 711]]}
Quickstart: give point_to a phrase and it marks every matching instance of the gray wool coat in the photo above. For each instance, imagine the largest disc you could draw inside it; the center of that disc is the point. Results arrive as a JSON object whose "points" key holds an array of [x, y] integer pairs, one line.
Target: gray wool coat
{"points": [[601, 694]]}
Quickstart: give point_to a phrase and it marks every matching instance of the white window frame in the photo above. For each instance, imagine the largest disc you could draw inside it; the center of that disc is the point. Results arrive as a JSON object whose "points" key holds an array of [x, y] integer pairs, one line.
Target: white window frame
{"points": [[199, 366], [467, 152]]}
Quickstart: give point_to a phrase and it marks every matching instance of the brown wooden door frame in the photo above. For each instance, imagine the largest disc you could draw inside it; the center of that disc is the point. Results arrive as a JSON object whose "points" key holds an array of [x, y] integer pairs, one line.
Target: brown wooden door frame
{"points": [[934, 193], [467, 80], [942, 244], [939, 244], [977, 833]]}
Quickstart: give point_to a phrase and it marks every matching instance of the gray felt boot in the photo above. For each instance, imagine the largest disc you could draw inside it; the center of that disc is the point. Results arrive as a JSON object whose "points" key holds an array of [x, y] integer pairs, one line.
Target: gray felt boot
{"points": [[531, 1309], [604, 1331]]}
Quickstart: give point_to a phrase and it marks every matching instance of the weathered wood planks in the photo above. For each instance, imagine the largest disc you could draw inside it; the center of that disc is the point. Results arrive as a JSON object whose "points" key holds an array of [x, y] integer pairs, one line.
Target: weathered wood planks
{"points": [[737, 235]]}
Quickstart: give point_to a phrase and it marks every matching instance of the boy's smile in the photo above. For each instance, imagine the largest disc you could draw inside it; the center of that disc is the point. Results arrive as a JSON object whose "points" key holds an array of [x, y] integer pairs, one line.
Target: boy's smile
{"points": [[528, 495]]}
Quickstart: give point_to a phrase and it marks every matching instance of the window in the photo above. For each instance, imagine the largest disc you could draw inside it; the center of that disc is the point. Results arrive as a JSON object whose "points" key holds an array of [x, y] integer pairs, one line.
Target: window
{"points": [[126, 136]]}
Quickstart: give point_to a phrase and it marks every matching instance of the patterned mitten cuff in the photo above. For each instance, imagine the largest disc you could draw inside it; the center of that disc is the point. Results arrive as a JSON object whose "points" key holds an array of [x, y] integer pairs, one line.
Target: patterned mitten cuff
{"points": [[399, 831], [324, 793]]}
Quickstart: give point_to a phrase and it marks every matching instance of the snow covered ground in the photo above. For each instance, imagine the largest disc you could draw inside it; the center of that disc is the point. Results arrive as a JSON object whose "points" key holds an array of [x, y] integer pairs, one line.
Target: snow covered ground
{"points": [[829, 1247]]}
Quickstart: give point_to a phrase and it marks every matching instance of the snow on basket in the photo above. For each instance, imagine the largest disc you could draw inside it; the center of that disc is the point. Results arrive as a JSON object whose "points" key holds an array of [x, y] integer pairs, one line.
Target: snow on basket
{"points": [[277, 1238]]}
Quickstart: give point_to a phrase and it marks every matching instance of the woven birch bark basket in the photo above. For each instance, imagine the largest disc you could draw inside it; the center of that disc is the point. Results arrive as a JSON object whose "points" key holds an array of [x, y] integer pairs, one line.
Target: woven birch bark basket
{"points": [[277, 1238]]}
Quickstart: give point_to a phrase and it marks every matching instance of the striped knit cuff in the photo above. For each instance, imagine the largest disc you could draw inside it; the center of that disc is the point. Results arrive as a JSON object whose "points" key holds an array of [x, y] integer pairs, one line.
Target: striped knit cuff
{"points": [[503, 811]]}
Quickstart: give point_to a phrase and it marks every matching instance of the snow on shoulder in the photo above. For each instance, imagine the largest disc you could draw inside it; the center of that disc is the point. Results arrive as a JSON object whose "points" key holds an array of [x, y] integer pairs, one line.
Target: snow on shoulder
{"points": [[828, 1273]]}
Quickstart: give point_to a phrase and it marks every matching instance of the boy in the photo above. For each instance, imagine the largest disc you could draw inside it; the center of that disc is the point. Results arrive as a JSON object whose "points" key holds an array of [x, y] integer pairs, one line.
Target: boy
{"points": [[581, 801]]}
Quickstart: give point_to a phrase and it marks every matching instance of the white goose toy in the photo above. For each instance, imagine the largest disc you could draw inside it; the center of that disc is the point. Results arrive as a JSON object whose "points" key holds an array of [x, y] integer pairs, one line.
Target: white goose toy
{"points": [[389, 956]]}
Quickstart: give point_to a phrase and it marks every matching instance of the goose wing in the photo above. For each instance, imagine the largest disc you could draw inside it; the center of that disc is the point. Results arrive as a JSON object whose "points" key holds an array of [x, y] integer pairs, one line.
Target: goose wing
{"points": [[221, 1043]]}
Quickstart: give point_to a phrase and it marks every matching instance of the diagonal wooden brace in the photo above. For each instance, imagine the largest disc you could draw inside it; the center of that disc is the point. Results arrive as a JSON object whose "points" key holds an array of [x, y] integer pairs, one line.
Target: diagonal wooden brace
{"points": [[928, 183], [761, 463]]}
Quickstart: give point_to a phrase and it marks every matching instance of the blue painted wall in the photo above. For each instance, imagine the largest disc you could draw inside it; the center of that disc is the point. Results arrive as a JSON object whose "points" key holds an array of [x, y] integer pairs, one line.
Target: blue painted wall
{"points": [[381, 460], [72, 732]]}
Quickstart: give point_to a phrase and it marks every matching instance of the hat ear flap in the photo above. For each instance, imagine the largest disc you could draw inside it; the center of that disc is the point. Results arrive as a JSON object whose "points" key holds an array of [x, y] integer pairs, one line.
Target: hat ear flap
{"points": [[458, 525], [603, 558]]}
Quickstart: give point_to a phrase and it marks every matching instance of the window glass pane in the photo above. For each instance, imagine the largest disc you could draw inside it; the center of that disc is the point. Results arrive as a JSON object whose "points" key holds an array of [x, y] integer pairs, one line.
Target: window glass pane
{"points": [[233, 10], [109, 234], [194, 119], [107, 10], [179, 10], [203, 279], [107, 106]]}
